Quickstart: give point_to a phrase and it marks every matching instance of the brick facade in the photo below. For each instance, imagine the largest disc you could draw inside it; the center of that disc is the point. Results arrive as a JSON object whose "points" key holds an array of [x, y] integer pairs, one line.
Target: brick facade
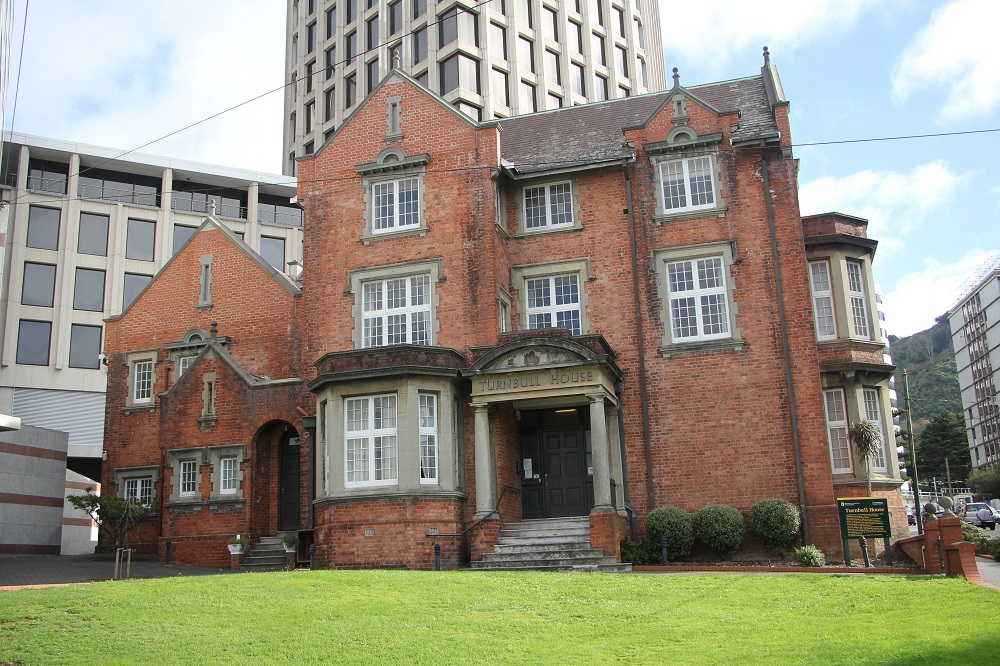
{"points": [[688, 422]]}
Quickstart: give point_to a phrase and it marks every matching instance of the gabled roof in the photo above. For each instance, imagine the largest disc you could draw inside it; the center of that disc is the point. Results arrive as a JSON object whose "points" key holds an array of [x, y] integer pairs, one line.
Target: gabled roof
{"points": [[594, 133], [213, 346], [212, 222]]}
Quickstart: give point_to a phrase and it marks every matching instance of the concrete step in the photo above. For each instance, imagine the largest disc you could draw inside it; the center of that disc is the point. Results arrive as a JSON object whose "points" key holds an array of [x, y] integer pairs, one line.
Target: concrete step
{"points": [[541, 547], [260, 567], [531, 540], [593, 557], [521, 531], [602, 568]]}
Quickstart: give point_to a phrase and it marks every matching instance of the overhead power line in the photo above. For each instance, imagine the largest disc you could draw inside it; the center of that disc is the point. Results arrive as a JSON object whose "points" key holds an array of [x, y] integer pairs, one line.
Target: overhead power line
{"points": [[895, 138]]}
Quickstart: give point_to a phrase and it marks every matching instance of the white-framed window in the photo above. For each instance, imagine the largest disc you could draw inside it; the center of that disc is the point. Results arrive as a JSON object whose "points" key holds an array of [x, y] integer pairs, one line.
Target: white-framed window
{"points": [[859, 304], [142, 382], [397, 311], [687, 184], [370, 450], [873, 413], [227, 476], [189, 478], [822, 294], [548, 206], [428, 431], [553, 301], [504, 316], [139, 489], [836, 431], [395, 205], [183, 363], [698, 301]]}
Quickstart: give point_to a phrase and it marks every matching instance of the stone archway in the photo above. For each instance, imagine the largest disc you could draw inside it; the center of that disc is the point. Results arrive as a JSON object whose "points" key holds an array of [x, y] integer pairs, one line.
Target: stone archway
{"points": [[277, 489]]}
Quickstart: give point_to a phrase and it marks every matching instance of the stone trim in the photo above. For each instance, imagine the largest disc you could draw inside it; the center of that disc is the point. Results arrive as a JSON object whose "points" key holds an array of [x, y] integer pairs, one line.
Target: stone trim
{"points": [[727, 249], [131, 359], [662, 152], [523, 231], [215, 456], [357, 277], [518, 274], [174, 459]]}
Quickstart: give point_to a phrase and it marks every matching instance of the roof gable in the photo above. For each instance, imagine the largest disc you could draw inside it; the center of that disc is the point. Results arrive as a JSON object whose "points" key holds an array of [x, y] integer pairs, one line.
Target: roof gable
{"points": [[211, 223]]}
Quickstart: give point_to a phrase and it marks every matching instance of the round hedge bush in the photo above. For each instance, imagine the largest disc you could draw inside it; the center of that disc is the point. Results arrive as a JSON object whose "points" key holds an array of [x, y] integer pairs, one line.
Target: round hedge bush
{"points": [[776, 523], [720, 527], [675, 524]]}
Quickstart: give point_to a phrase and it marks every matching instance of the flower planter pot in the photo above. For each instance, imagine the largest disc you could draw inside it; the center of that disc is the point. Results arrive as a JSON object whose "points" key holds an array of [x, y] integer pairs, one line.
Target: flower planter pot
{"points": [[235, 549]]}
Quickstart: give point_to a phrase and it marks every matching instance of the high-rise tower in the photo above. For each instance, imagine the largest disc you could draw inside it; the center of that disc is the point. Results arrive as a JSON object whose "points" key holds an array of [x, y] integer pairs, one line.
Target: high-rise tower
{"points": [[491, 59]]}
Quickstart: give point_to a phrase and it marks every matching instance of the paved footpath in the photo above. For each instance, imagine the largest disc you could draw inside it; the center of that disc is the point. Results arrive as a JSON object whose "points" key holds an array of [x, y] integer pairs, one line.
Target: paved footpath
{"points": [[40, 570], [989, 571]]}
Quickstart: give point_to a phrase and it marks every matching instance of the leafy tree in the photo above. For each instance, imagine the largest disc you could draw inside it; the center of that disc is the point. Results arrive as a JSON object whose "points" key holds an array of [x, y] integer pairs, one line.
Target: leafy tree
{"points": [[115, 516], [944, 438], [985, 482]]}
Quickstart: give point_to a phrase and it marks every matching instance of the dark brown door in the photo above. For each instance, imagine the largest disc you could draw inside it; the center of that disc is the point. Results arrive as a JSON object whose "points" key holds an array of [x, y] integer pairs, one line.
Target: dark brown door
{"points": [[564, 474], [288, 500]]}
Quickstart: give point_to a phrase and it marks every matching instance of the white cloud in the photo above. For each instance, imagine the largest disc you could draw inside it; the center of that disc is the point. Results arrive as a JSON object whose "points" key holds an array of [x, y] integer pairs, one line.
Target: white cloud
{"points": [[734, 27], [893, 203], [921, 296], [956, 51], [121, 74]]}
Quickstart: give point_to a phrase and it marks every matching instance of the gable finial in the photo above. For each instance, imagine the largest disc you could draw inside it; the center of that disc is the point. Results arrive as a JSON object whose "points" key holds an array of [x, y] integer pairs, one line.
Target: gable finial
{"points": [[395, 59], [211, 207], [214, 330], [767, 56], [677, 79]]}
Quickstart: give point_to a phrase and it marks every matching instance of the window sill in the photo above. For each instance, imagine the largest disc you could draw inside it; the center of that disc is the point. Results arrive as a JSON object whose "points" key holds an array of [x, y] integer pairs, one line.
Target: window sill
{"points": [[420, 230], [194, 503], [545, 231], [130, 409], [207, 420], [661, 218], [392, 493], [878, 480], [668, 351], [221, 502]]}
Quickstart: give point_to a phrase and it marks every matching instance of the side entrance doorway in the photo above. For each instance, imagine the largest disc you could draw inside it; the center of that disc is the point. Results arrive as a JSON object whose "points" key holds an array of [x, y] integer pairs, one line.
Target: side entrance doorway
{"points": [[556, 463], [289, 482]]}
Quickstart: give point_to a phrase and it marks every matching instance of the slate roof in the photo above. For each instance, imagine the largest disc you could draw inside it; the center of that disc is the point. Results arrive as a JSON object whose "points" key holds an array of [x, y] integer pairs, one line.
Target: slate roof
{"points": [[592, 133]]}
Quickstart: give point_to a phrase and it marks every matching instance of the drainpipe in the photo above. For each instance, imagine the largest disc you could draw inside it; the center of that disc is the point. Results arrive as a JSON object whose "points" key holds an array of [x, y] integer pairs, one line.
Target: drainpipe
{"points": [[784, 343], [633, 519], [640, 340]]}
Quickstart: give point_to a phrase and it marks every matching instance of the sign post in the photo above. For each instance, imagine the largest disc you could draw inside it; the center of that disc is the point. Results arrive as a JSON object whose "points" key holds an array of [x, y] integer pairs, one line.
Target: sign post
{"points": [[864, 517]]}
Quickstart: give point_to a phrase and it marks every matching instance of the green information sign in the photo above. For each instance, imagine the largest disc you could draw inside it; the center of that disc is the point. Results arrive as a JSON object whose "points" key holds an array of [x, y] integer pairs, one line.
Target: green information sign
{"points": [[864, 517]]}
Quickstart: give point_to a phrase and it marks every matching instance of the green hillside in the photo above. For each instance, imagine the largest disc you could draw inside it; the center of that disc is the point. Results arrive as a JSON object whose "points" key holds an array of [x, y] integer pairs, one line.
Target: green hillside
{"points": [[929, 360]]}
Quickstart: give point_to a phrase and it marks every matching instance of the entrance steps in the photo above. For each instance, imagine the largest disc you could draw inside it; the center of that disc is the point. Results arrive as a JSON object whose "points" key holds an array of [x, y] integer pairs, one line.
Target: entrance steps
{"points": [[551, 544], [268, 554]]}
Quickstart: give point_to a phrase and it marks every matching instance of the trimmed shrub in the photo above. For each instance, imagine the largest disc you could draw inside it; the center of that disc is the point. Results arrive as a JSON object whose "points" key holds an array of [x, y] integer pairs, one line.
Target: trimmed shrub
{"points": [[640, 553], [810, 556], [676, 525], [720, 527], [977, 536], [776, 523]]}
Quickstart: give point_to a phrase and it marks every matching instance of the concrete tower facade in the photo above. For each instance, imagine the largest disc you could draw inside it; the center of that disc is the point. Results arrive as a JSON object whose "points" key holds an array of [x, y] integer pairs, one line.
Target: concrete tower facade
{"points": [[492, 59]]}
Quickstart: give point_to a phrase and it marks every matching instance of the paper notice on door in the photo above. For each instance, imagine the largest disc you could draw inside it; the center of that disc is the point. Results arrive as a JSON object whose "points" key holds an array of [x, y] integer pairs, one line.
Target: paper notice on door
{"points": [[527, 469]]}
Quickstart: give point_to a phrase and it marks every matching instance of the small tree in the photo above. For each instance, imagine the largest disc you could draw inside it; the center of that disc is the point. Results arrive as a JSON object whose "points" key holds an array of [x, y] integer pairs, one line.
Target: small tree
{"points": [[866, 438], [115, 516]]}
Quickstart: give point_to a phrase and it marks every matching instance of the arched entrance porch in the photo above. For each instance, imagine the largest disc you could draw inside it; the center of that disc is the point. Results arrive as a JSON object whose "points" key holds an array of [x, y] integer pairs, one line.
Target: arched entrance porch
{"points": [[277, 487]]}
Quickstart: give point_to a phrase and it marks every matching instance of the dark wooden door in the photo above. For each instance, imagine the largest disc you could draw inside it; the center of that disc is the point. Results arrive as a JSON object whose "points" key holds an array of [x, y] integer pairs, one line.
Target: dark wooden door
{"points": [[564, 474], [288, 498]]}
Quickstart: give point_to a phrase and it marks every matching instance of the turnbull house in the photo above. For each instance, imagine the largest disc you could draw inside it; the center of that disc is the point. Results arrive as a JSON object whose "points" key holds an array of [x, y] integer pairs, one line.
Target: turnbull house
{"points": [[584, 313]]}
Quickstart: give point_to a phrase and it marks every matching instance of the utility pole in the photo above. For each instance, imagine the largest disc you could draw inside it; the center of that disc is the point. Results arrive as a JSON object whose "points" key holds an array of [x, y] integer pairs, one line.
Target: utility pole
{"points": [[913, 457]]}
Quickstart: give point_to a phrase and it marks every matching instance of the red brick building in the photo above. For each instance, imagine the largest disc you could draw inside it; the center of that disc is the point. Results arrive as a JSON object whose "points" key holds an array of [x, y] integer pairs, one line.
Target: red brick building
{"points": [[591, 311]]}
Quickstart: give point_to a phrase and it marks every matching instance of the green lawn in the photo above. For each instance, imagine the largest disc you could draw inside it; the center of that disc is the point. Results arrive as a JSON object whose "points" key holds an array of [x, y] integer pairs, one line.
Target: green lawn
{"points": [[383, 617]]}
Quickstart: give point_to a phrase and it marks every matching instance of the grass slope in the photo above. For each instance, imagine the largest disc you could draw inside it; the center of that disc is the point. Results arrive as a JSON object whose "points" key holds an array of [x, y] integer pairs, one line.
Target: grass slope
{"points": [[387, 617]]}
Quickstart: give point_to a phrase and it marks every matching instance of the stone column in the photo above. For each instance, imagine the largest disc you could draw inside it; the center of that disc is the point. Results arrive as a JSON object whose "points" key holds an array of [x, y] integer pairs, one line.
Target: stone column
{"points": [[486, 486], [599, 453]]}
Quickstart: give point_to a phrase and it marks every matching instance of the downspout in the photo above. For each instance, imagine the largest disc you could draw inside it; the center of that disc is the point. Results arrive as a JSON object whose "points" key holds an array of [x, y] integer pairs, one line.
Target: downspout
{"points": [[633, 519], [784, 343], [640, 340]]}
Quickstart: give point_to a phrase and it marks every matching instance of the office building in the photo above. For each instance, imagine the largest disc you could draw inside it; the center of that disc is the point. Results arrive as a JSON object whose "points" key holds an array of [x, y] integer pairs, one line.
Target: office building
{"points": [[490, 60]]}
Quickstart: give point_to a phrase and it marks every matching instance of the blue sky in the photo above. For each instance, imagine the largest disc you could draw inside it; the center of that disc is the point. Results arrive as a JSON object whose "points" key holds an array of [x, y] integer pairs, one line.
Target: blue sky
{"points": [[120, 74]]}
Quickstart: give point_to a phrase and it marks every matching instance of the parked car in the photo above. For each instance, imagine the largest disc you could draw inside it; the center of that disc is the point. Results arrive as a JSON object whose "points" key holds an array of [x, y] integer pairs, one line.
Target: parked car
{"points": [[981, 514]]}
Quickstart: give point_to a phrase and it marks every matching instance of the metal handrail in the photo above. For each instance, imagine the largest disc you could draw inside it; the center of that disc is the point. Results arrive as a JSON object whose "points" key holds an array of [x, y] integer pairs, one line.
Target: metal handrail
{"points": [[476, 524]]}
